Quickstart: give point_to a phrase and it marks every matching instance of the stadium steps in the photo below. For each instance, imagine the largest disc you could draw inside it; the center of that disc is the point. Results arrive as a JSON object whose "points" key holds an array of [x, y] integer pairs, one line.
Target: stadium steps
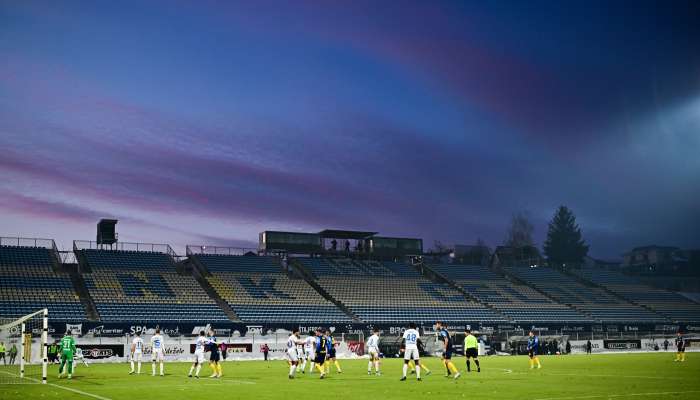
{"points": [[199, 272], [519, 281], [83, 265], [308, 276], [55, 259], [80, 288], [438, 277]]}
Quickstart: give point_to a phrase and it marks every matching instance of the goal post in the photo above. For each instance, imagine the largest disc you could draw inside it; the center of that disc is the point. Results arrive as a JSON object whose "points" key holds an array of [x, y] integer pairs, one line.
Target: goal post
{"points": [[25, 340]]}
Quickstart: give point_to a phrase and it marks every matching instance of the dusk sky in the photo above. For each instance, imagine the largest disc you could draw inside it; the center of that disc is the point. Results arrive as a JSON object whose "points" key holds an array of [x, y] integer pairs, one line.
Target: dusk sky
{"points": [[207, 122]]}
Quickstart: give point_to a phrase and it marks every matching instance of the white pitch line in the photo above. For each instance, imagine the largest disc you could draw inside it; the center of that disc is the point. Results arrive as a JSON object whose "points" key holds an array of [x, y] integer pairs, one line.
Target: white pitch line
{"points": [[510, 371], [619, 376], [597, 396], [61, 387]]}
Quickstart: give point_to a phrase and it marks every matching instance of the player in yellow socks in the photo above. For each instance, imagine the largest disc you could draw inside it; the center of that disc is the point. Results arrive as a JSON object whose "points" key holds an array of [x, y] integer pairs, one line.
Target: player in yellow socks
{"points": [[214, 356], [444, 336], [533, 347], [331, 354], [322, 348], [680, 347]]}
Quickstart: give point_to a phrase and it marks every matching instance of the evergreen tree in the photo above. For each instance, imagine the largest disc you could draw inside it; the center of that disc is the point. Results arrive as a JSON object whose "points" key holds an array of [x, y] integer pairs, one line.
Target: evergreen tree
{"points": [[564, 244]]}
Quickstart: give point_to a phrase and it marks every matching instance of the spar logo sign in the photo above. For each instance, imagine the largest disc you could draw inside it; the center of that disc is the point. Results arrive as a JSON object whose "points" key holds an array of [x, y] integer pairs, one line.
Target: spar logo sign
{"points": [[145, 330]]}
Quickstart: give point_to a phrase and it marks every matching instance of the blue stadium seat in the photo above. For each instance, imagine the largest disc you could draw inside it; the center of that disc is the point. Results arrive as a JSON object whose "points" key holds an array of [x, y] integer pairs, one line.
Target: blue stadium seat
{"points": [[671, 305], [519, 302], [129, 286], [258, 290], [596, 302], [393, 292], [28, 283]]}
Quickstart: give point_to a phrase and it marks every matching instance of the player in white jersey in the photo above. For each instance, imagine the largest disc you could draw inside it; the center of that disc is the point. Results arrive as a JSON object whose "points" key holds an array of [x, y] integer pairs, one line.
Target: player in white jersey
{"points": [[199, 346], [78, 357], [157, 352], [309, 344], [373, 351], [136, 352], [300, 351], [410, 343], [292, 354]]}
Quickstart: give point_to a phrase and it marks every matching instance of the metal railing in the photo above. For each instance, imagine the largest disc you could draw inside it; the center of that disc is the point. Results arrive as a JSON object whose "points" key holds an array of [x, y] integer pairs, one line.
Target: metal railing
{"points": [[224, 250], [67, 257], [28, 242], [125, 246]]}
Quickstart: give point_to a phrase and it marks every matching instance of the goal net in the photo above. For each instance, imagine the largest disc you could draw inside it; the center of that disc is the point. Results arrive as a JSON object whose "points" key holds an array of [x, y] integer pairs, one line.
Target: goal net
{"points": [[24, 340]]}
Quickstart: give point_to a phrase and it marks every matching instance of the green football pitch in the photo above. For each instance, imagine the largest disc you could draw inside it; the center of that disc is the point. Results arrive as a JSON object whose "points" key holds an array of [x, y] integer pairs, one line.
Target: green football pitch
{"points": [[634, 376]]}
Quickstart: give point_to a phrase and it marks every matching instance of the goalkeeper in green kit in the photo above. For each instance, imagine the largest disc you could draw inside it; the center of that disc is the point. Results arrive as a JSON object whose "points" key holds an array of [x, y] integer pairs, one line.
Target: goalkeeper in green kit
{"points": [[67, 346]]}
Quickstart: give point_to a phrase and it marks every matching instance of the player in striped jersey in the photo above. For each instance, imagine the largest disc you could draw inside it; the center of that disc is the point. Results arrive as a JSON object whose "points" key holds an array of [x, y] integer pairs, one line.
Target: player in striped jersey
{"points": [[214, 355], [533, 349], [680, 347], [331, 354], [444, 336], [322, 348]]}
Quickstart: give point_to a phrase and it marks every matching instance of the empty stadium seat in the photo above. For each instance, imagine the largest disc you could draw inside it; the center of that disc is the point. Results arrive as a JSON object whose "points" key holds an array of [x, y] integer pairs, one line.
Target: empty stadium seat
{"points": [[519, 302], [669, 304], [596, 302], [144, 286], [28, 283], [258, 290], [393, 292]]}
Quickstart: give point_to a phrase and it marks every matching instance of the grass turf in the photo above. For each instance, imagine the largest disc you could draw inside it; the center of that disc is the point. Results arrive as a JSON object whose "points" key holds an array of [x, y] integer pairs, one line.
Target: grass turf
{"points": [[638, 376]]}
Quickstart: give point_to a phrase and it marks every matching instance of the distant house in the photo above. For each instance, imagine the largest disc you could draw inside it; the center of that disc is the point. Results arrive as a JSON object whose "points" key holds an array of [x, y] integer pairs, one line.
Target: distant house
{"points": [[590, 262], [471, 254], [653, 259], [507, 256]]}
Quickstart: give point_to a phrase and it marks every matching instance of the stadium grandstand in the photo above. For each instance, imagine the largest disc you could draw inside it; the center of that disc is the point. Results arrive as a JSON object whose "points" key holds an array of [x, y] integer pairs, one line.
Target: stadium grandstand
{"points": [[519, 302], [671, 305], [329, 277], [392, 292], [31, 279], [593, 301], [258, 289], [142, 286]]}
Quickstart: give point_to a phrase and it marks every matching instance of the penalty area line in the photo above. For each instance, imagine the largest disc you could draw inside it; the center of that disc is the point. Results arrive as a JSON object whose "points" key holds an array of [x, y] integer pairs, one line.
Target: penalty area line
{"points": [[95, 396]]}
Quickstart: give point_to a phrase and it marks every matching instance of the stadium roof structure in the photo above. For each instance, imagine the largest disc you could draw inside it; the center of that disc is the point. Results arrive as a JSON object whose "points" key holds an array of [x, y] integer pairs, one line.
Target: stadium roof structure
{"points": [[341, 234]]}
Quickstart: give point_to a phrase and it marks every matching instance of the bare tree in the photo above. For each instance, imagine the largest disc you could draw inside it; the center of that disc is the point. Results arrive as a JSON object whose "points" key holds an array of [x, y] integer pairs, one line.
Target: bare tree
{"points": [[520, 230], [438, 247]]}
